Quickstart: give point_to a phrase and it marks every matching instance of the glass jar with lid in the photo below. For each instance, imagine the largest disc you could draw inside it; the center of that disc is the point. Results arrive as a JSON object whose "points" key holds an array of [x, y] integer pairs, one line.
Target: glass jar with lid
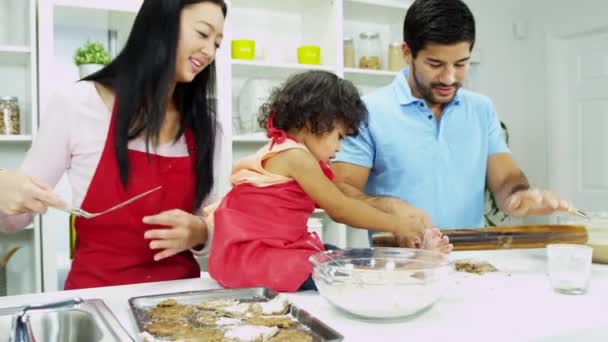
{"points": [[396, 60], [9, 115], [349, 52], [370, 51]]}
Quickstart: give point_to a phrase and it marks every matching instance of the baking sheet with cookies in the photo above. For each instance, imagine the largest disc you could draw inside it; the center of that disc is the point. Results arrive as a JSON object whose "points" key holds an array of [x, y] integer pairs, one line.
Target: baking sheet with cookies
{"points": [[254, 314]]}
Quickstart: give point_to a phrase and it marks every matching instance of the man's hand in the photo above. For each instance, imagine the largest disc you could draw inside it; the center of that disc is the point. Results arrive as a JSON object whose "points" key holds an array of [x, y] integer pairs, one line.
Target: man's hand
{"points": [[415, 221], [534, 202], [184, 232], [401, 208]]}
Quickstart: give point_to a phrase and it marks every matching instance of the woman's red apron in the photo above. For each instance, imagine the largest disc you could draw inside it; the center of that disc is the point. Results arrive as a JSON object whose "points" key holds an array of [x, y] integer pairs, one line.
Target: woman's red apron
{"points": [[261, 237], [111, 249]]}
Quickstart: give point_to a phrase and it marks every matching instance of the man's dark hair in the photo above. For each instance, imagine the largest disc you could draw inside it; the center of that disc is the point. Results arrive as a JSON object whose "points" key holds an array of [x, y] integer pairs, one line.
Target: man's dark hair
{"points": [[438, 21]]}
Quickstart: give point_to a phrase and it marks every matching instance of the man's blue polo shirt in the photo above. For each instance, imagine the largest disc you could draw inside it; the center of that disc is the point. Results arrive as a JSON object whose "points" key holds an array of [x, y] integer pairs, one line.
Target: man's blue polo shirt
{"points": [[437, 167]]}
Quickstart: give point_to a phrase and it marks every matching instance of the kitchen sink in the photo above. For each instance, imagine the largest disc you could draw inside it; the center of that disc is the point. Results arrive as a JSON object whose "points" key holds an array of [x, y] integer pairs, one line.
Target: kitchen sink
{"points": [[90, 321]]}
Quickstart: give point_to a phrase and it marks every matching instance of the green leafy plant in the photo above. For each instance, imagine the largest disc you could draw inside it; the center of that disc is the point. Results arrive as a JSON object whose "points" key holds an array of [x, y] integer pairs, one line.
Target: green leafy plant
{"points": [[493, 213], [92, 53]]}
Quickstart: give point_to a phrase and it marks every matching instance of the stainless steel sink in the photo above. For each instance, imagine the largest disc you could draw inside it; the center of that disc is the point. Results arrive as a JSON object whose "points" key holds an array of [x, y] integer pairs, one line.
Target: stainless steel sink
{"points": [[90, 321]]}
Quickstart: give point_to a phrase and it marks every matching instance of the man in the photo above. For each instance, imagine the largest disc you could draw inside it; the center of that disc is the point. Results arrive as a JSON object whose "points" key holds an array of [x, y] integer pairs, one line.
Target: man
{"points": [[430, 143]]}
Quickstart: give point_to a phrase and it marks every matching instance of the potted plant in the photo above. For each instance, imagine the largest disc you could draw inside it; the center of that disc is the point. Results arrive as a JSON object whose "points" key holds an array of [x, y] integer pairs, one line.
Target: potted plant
{"points": [[91, 57], [492, 214]]}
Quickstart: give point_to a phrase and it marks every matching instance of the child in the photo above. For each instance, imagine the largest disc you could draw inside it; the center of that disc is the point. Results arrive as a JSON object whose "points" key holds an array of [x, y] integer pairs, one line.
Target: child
{"points": [[260, 227]]}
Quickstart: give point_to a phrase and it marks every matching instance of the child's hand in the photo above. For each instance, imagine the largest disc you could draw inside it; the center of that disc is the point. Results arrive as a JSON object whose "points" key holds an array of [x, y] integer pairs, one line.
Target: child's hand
{"points": [[435, 241], [411, 233]]}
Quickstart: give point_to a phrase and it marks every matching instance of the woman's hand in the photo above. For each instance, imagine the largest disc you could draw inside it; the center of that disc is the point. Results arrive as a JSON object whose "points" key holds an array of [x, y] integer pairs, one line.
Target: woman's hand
{"points": [[183, 233], [20, 193]]}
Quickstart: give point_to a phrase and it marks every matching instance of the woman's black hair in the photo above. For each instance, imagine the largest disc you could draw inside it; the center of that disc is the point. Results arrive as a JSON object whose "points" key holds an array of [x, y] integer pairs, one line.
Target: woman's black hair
{"points": [[316, 98], [141, 77]]}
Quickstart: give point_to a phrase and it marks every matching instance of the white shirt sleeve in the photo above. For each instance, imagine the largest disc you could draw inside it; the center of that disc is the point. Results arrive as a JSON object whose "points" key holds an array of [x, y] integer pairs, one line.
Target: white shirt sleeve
{"points": [[218, 170], [207, 248], [49, 156], [215, 194]]}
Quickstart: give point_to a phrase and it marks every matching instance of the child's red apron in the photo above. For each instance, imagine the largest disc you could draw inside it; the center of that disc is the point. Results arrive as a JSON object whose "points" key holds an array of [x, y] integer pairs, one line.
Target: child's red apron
{"points": [[261, 237]]}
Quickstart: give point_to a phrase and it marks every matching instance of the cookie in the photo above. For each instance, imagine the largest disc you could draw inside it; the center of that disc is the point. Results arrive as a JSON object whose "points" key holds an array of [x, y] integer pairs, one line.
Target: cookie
{"points": [[196, 335], [271, 321], [171, 312], [166, 328]]}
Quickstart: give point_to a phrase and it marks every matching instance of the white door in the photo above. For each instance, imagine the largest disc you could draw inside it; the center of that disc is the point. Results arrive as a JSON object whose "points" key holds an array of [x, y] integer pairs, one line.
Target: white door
{"points": [[577, 99]]}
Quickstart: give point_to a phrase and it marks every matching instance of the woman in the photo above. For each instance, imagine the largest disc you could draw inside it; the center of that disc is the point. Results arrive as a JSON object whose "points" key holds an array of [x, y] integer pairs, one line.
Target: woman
{"points": [[141, 122]]}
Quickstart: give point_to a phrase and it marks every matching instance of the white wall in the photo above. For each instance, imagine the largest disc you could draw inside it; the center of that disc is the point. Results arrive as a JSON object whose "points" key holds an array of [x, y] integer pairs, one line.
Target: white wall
{"points": [[502, 76], [565, 16], [512, 70]]}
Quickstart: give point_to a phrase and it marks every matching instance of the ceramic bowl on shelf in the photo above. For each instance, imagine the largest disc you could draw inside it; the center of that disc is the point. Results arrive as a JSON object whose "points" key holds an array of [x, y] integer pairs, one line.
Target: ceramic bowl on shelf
{"points": [[253, 94], [309, 54], [243, 49], [85, 70]]}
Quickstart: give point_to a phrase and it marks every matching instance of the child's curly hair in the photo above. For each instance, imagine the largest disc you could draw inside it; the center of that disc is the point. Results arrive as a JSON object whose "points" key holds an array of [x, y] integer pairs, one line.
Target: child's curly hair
{"points": [[318, 98]]}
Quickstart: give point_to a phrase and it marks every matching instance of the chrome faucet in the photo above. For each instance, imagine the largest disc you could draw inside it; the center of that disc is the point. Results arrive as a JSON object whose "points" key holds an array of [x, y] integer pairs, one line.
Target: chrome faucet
{"points": [[21, 330]]}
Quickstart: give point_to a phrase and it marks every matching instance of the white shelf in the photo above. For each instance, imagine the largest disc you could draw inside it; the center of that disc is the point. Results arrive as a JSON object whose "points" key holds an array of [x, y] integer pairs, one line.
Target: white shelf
{"points": [[370, 72], [394, 4], [260, 69], [16, 138], [283, 5], [369, 77], [258, 137], [131, 6], [14, 55], [376, 11]]}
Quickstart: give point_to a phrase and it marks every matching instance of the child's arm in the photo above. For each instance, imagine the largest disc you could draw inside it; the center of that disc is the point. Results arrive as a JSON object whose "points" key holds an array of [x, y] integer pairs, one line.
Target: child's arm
{"points": [[304, 168]]}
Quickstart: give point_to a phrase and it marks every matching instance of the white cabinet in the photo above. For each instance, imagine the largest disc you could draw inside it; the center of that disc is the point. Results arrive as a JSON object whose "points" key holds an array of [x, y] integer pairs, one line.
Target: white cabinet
{"points": [[18, 70]]}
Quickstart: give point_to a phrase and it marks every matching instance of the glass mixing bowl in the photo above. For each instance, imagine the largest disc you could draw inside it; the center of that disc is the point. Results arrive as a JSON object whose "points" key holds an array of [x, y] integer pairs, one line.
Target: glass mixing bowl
{"points": [[381, 283], [597, 232]]}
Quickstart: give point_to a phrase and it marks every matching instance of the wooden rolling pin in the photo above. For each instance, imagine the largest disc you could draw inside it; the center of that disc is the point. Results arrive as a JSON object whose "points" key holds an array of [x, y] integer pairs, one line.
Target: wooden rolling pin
{"points": [[501, 237]]}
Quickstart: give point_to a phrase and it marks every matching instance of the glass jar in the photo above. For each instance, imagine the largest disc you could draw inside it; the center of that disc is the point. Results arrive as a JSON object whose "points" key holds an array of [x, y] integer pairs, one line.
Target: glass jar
{"points": [[370, 51], [349, 52], [396, 60], [9, 115]]}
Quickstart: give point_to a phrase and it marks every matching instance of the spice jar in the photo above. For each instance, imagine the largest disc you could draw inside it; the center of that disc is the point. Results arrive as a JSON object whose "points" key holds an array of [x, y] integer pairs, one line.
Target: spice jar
{"points": [[349, 52], [396, 61], [9, 115], [370, 51]]}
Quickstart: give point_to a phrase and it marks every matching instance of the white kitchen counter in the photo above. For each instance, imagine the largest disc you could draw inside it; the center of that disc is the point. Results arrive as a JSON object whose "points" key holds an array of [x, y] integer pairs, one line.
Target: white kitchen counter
{"points": [[516, 304]]}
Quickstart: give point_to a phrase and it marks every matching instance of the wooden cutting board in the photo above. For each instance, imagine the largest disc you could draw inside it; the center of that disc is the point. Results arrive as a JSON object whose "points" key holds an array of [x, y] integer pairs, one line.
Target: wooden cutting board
{"points": [[504, 237]]}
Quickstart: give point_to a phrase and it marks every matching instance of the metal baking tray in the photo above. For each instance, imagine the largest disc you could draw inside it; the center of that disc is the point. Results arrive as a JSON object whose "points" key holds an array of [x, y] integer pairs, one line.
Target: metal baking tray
{"points": [[319, 330]]}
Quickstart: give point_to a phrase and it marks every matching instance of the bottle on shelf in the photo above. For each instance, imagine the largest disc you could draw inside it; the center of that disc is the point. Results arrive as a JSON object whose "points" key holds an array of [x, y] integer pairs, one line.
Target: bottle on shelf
{"points": [[396, 60], [349, 52], [9, 116], [370, 51]]}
